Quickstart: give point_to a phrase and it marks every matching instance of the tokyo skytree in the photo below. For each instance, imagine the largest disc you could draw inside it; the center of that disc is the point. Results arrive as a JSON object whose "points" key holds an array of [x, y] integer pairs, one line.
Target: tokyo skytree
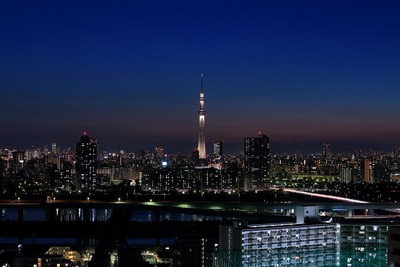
{"points": [[202, 117]]}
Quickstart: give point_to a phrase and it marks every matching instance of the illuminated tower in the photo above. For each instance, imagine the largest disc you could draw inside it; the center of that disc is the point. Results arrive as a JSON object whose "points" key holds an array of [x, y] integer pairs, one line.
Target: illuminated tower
{"points": [[202, 117]]}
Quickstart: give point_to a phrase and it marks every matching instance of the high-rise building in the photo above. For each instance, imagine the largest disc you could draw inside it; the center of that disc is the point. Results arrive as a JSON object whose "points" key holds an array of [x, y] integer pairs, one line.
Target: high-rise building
{"points": [[326, 152], [32, 153], [18, 161], [202, 117], [279, 244], [86, 163], [367, 171], [347, 174], [256, 162], [218, 148], [397, 152], [54, 148]]}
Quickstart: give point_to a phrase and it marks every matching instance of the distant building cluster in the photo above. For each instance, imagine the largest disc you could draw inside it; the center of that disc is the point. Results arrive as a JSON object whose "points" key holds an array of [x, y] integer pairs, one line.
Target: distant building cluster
{"points": [[87, 169]]}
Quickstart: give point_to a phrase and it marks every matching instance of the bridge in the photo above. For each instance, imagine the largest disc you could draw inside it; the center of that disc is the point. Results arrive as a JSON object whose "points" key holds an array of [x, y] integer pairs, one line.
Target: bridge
{"points": [[259, 211]]}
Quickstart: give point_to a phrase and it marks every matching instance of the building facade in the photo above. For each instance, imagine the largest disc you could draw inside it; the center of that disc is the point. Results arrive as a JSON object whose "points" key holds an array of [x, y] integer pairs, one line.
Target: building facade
{"points": [[363, 244], [86, 163], [256, 162], [278, 245], [218, 149]]}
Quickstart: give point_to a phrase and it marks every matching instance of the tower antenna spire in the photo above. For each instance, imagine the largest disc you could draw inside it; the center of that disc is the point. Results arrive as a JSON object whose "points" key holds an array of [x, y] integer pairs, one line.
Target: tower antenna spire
{"points": [[201, 84]]}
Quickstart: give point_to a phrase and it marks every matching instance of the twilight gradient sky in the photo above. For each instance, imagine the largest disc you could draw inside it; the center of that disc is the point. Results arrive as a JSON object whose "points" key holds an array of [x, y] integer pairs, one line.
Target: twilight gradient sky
{"points": [[128, 72]]}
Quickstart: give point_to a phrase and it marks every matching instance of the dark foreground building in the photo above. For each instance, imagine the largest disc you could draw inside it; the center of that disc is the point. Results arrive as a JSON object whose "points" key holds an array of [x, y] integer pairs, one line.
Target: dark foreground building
{"points": [[256, 163]]}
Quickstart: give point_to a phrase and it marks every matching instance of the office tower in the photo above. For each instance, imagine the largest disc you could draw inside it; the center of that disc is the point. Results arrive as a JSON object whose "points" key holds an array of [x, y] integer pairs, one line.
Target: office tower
{"points": [[218, 148], [367, 171], [202, 117], [86, 163], [256, 162]]}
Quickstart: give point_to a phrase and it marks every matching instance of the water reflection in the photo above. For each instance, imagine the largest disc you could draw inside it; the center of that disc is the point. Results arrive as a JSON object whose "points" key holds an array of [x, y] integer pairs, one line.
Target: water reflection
{"points": [[98, 214], [8, 214], [79, 214]]}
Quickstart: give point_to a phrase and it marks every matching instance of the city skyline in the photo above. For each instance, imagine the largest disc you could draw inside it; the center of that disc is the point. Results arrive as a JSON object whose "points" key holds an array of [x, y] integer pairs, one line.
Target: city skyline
{"points": [[128, 73]]}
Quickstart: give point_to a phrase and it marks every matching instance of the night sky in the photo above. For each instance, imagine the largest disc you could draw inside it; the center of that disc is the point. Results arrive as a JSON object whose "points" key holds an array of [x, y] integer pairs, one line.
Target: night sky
{"points": [[128, 73]]}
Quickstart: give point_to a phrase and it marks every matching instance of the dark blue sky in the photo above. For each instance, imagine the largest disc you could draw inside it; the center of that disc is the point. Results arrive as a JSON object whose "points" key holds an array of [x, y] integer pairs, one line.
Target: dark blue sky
{"points": [[128, 72]]}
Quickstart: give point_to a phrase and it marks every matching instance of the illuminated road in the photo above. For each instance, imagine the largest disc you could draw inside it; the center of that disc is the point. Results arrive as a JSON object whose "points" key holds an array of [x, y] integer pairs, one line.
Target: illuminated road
{"points": [[213, 208], [395, 210], [324, 196]]}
